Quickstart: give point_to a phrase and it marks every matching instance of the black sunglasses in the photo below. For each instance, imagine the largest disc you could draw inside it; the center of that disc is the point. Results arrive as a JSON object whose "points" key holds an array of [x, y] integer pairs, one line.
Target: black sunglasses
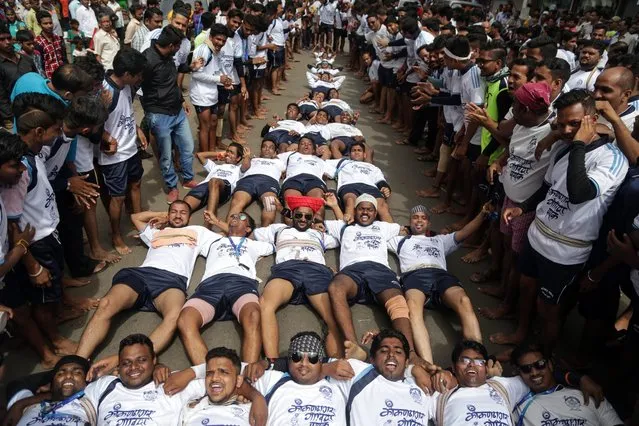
{"points": [[313, 357], [307, 216], [537, 365]]}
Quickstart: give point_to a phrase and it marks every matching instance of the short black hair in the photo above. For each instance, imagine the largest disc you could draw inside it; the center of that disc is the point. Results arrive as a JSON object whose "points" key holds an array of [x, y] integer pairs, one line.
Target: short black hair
{"points": [[258, 22], [42, 14], [225, 5], [293, 104], [136, 339], [71, 78], [239, 148], [207, 19], [85, 111], [468, 344], [577, 96], [4, 29], [389, 333], [497, 48], [184, 203], [219, 29], [530, 65], [135, 7], [169, 36], [431, 24], [182, 11], [151, 12], [595, 44], [235, 13], [567, 35], [11, 147], [230, 354], [475, 36], [526, 348], [128, 60], [24, 35], [255, 7], [33, 110], [559, 68], [357, 143], [545, 44], [600, 26], [91, 66], [409, 25]]}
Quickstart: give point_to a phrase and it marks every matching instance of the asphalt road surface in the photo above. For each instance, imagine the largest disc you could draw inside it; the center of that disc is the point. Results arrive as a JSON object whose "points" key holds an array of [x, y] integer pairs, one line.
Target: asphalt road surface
{"points": [[403, 172]]}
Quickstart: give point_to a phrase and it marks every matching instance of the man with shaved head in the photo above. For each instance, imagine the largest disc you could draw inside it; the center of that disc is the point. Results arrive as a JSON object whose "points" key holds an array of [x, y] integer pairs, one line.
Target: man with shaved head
{"points": [[613, 89]]}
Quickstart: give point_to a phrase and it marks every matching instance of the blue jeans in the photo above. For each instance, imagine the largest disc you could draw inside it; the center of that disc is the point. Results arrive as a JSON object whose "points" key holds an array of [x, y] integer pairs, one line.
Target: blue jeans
{"points": [[169, 129]]}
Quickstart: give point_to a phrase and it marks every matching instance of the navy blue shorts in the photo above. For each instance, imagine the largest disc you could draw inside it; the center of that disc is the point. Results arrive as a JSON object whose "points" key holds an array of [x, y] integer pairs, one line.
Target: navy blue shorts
{"points": [[257, 73], [201, 109], [316, 137], [359, 189], [304, 183], [473, 153], [371, 278], [119, 175], [306, 110], [433, 282], [257, 185], [224, 95], [222, 291], [149, 283], [276, 58], [387, 77], [201, 192], [325, 28], [308, 278], [554, 281], [449, 135], [281, 136], [406, 87], [348, 142], [333, 111], [18, 289]]}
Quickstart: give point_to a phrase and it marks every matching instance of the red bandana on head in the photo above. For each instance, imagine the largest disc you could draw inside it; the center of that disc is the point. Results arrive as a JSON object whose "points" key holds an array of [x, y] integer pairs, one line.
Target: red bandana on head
{"points": [[312, 203]]}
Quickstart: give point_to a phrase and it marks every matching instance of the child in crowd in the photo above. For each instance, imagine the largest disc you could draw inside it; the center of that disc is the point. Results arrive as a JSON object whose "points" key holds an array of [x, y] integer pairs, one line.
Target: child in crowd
{"points": [[27, 48], [72, 34], [80, 47]]}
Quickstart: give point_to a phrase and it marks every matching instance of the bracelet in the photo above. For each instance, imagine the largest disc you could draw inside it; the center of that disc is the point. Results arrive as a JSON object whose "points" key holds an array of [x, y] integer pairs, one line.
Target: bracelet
{"points": [[590, 278], [24, 245], [37, 273]]}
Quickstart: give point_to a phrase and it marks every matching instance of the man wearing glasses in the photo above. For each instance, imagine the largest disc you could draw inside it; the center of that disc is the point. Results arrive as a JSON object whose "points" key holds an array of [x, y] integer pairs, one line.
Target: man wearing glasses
{"points": [[477, 399], [551, 403], [300, 273], [228, 288]]}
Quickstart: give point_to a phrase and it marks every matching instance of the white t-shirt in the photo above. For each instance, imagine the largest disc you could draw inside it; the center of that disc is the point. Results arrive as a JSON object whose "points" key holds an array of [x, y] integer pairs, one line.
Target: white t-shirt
{"points": [[253, 42], [289, 125], [55, 155], [566, 407], [232, 49], [581, 79], [180, 57], [71, 414], [291, 244], [523, 174], [412, 58], [84, 153], [145, 406], [297, 164], [234, 255], [321, 403], [327, 12], [363, 243], [173, 254], [483, 405], [473, 89], [453, 114], [349, 171], [383, 402], [227, 172], [204, 81], [340, 129], [276, 31], [606, 167], [321, 129], [271, 167], [203, 412], [420, 251], [120, 124]]}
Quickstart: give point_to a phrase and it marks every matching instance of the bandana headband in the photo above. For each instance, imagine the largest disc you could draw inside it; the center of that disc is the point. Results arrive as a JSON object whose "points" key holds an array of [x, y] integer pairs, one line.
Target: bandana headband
{"points": [[307, 343], [453, 56]]}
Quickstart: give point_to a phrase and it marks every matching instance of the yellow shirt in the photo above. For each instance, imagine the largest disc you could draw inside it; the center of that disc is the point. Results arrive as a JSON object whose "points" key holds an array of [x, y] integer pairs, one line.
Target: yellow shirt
{"points": [[32, 22]]}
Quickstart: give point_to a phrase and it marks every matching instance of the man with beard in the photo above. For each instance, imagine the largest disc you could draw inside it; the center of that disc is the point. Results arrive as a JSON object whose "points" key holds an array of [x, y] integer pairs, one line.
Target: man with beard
{"points": [[134, 398], [219, 405], [228, 287], [550, 402], [300, 273], [158, 285], [589, 57], [66, 403], [426, 281], [364, 275]]}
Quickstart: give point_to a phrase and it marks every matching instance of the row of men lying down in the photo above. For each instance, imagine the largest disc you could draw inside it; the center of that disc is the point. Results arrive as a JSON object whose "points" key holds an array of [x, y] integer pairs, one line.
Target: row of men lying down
{"points": [[306, 388]]}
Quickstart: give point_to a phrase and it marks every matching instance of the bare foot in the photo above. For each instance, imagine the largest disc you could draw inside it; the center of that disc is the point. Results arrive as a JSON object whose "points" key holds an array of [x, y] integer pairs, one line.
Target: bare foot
{"points": [[68, 313], [64, 346], [100, 267], [485, 276], [492, 290], [440, 208], [429, 193], [259, 116], [74, 282], [430, 172], [500, 312], [383, 120], [102, 254], [50, 362], [475, 256], [120, 246], [354, 351], [506, 339], [238, 139], [82, 303]]}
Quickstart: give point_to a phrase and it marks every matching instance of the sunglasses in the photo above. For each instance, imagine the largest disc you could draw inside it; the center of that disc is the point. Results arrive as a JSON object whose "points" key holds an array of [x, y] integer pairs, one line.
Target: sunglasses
{"points": [[539, 365], [313, 357], [306, 216], [480, 362], [240, 216]]}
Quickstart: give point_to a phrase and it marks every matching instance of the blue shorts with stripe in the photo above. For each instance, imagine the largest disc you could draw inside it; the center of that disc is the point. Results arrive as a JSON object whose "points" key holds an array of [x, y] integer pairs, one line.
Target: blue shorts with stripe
{"points": [[308, 278], [371, 278], [222, 291], [149, 283]]}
